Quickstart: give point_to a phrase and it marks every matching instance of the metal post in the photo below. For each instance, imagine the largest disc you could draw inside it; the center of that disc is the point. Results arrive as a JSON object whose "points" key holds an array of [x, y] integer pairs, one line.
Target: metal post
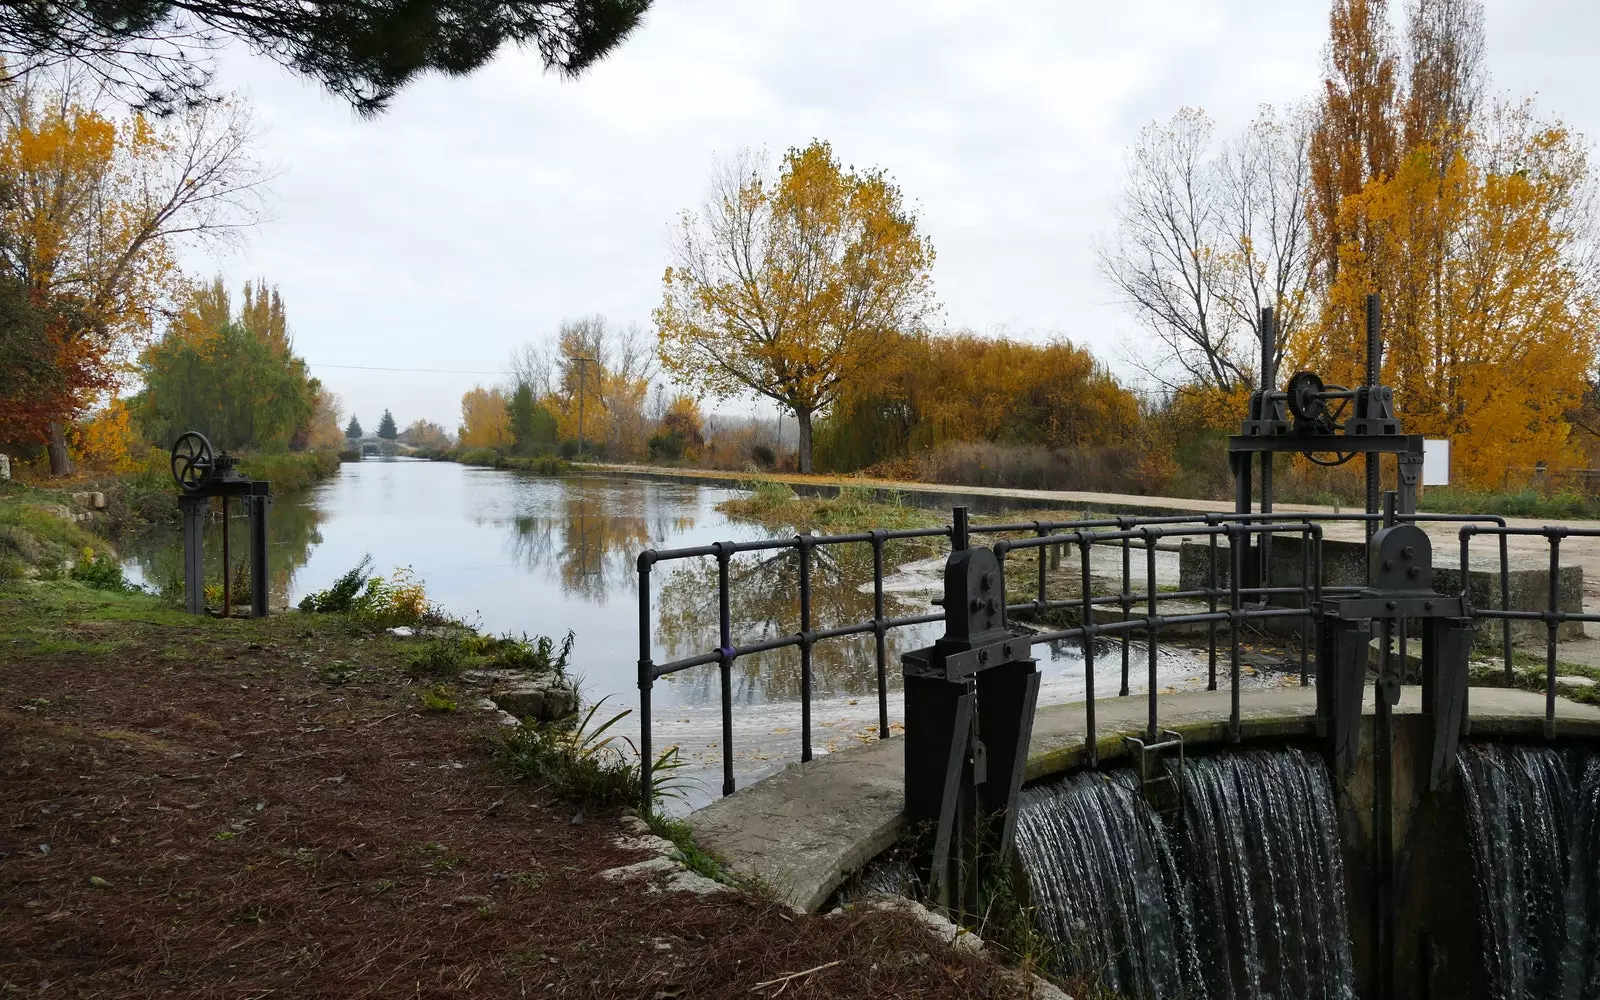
{"points": [[1373, 375], [1088, 650], [1151, 629], [227, 577], [646, 682], [1269, 340], [803, 542], [1552, 623], [958, 529], [1211, 607], [1126, 603], [725, 661], [1236, 550], [194, 581], [258, 555], [878, 634]]}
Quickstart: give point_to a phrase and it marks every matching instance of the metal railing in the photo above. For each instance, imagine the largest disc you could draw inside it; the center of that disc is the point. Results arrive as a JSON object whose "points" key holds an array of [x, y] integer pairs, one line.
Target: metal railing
{"points": [[1244, 604]]}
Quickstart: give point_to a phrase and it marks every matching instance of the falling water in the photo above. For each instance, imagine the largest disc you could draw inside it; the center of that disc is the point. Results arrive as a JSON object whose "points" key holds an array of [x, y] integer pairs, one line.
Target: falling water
{"points": [[1265, 876], [1533, 816], [1246, 901]]}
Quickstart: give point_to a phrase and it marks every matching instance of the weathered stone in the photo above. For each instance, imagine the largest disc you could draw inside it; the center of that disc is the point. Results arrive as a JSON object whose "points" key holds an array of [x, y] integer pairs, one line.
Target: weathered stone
{"points": [[543, 699], [5, 466], [97, 500], [1573, 684], [943, 927]]}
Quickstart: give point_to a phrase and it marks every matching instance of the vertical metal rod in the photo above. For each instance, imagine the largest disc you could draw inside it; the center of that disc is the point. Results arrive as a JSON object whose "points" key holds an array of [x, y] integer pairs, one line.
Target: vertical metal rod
{"points": [[1305, 588], [1268, 376], [259, 575], [1211, 606], [646, 683], [878, 635], [1126, 603], [725, 636], [227, 577], [1039, 529], [1505, 604], [1373, 376], [1151, 629], [958, 529], [1088, 650], [1550, 640], [804, 542], [1236, 549]]}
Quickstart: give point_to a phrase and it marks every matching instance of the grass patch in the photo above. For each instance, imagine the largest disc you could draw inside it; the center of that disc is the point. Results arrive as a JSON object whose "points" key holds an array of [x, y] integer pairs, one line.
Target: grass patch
{"points": [[1528, 673], [579, 760], [1513, 503], [854, 508], [677, 831]]}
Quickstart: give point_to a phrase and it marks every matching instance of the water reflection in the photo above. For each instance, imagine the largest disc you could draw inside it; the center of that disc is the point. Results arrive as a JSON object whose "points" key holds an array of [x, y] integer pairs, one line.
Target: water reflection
{"points": [[154, 557], [593, 552], [764, 604]]}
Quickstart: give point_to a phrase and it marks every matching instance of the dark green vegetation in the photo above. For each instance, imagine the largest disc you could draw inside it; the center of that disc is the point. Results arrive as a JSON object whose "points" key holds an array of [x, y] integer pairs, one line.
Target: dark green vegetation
{"points": [[277, 807], [854, 508], [152, 53], [544, 465]]}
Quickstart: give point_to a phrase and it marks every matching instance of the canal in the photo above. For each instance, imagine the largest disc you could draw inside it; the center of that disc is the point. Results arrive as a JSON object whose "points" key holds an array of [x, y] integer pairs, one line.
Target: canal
{"points": [[519, 553]]}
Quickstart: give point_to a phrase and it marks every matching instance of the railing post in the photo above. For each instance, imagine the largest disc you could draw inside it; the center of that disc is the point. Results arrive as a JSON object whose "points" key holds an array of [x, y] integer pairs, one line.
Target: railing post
{"points": [[959, 538], [803, 542], [646, 683], [1152, 629], [1211, 607], [1088, 649], [1126, 603], [1236, 534], [878, 634], [725, 662], [1552, 623]]}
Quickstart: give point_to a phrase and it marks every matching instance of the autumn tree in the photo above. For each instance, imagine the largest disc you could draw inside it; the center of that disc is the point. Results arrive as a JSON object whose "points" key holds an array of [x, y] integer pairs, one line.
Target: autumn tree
{"points": [[321, 432], [790, 286], [533, 426], [212, 372], [593, 369], [680, 432], [427, 435], [95, 210], [156, 54], [1207, 235], [352, 430], [386, 428], [485, 419]]}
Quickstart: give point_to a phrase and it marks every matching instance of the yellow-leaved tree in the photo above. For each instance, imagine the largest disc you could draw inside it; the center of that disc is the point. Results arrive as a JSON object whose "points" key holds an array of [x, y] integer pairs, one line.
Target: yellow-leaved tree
{"points": [[1489, 289], [790, 286], [93, 208], [485, 419]]}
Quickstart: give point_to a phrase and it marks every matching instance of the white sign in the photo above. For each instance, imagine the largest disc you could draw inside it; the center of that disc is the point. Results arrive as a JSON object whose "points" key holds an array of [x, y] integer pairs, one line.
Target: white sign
{"points": [[1436, 462]]}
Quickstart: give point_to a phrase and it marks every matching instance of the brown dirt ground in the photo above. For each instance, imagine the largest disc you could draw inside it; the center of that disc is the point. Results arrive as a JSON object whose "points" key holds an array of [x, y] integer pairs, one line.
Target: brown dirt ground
{"points": [[199, 811]]}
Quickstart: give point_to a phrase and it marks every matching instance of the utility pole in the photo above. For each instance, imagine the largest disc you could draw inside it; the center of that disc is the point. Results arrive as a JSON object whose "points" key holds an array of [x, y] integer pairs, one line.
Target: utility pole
{"points": [[581, 361]]}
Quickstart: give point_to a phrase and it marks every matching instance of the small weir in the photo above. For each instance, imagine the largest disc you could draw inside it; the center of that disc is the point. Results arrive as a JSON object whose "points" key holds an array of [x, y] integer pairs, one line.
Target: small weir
{"points": [[1532, 812], [1243, 899]]}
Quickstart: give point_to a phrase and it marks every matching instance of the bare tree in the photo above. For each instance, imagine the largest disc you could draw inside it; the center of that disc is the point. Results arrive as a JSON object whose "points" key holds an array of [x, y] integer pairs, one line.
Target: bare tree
{"points": [[1204, 239]]}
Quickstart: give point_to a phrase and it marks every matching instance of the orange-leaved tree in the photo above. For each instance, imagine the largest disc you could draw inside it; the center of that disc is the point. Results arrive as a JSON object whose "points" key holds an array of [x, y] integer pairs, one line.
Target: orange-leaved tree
{"points": [[1489, 288], [93, 208], [485, 419], [790, 286]]}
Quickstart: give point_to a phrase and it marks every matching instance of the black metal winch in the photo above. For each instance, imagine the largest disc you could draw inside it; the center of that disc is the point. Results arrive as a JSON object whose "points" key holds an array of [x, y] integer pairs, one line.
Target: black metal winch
{"points": [[202, 474]]}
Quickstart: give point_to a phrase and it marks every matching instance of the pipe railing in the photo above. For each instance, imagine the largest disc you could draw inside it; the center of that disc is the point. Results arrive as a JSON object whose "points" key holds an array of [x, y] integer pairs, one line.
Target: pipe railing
{"points": [[1244, 603]]}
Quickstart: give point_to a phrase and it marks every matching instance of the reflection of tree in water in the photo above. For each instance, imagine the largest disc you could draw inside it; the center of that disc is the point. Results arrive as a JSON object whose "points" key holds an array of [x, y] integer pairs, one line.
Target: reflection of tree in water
{"points": [[291, 533], [592, 552], [764, 603]]}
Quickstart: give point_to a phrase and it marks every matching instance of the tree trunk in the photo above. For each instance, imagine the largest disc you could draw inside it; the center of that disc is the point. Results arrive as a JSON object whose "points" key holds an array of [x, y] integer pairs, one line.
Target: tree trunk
{"points": [[803, 418], [60, 461]]}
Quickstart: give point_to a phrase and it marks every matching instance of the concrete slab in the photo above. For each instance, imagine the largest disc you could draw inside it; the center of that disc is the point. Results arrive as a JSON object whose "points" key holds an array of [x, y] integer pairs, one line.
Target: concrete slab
{"points": [[804, 829]]}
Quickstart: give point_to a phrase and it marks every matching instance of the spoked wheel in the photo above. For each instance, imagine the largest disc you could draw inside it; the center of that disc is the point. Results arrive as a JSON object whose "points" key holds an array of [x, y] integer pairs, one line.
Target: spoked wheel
{"points": [[192, 462]]}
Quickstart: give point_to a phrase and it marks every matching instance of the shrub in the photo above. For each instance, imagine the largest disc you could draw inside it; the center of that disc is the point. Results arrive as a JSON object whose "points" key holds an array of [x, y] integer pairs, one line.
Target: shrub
{"points": [[101, 572], [339, 598], [578, 761], [537, 656], [445, 657], [569, 449], [763, 455], [480, 456], [667, 446]]}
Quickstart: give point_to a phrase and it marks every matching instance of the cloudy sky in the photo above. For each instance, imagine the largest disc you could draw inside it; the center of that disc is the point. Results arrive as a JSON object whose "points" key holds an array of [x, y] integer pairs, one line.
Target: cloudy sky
{"points": [[477, 213]]}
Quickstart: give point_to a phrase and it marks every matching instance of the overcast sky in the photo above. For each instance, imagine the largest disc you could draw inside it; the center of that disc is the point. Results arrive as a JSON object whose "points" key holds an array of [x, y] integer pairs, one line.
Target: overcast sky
{"points": [[477, 213]]}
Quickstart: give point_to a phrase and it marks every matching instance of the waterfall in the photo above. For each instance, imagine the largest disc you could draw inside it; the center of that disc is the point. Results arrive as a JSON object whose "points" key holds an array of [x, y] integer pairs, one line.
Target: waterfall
{"points": [[1103, 874], [1532, 813], [1246, 901], [1266, 878]]}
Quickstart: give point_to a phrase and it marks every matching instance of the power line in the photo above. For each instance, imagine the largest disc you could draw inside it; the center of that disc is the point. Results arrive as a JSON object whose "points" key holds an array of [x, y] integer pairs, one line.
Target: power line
{"points": [[431, 371]]}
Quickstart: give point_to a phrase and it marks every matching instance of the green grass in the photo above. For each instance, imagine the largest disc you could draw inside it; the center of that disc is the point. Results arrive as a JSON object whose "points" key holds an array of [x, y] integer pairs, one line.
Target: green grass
{"points": [[682, 837], [1517, 503], [35, 540], [1529, 674], [854, 508]]}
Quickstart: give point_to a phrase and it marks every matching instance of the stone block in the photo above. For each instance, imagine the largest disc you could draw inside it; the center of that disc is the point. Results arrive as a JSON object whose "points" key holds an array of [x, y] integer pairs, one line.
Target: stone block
{"points": [[543, 699]]}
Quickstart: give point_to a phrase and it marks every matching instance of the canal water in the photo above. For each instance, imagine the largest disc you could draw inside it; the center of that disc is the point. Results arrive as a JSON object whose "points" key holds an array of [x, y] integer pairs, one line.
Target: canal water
{"points": [[515, 552]]}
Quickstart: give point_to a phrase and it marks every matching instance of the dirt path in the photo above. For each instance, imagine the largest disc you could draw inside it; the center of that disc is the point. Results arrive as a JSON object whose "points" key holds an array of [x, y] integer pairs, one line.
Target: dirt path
{"points": [[260, 809]]}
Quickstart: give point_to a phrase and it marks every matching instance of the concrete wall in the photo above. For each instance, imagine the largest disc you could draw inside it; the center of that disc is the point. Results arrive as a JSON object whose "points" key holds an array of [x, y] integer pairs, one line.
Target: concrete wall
{"points": [[1344, 564]]}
